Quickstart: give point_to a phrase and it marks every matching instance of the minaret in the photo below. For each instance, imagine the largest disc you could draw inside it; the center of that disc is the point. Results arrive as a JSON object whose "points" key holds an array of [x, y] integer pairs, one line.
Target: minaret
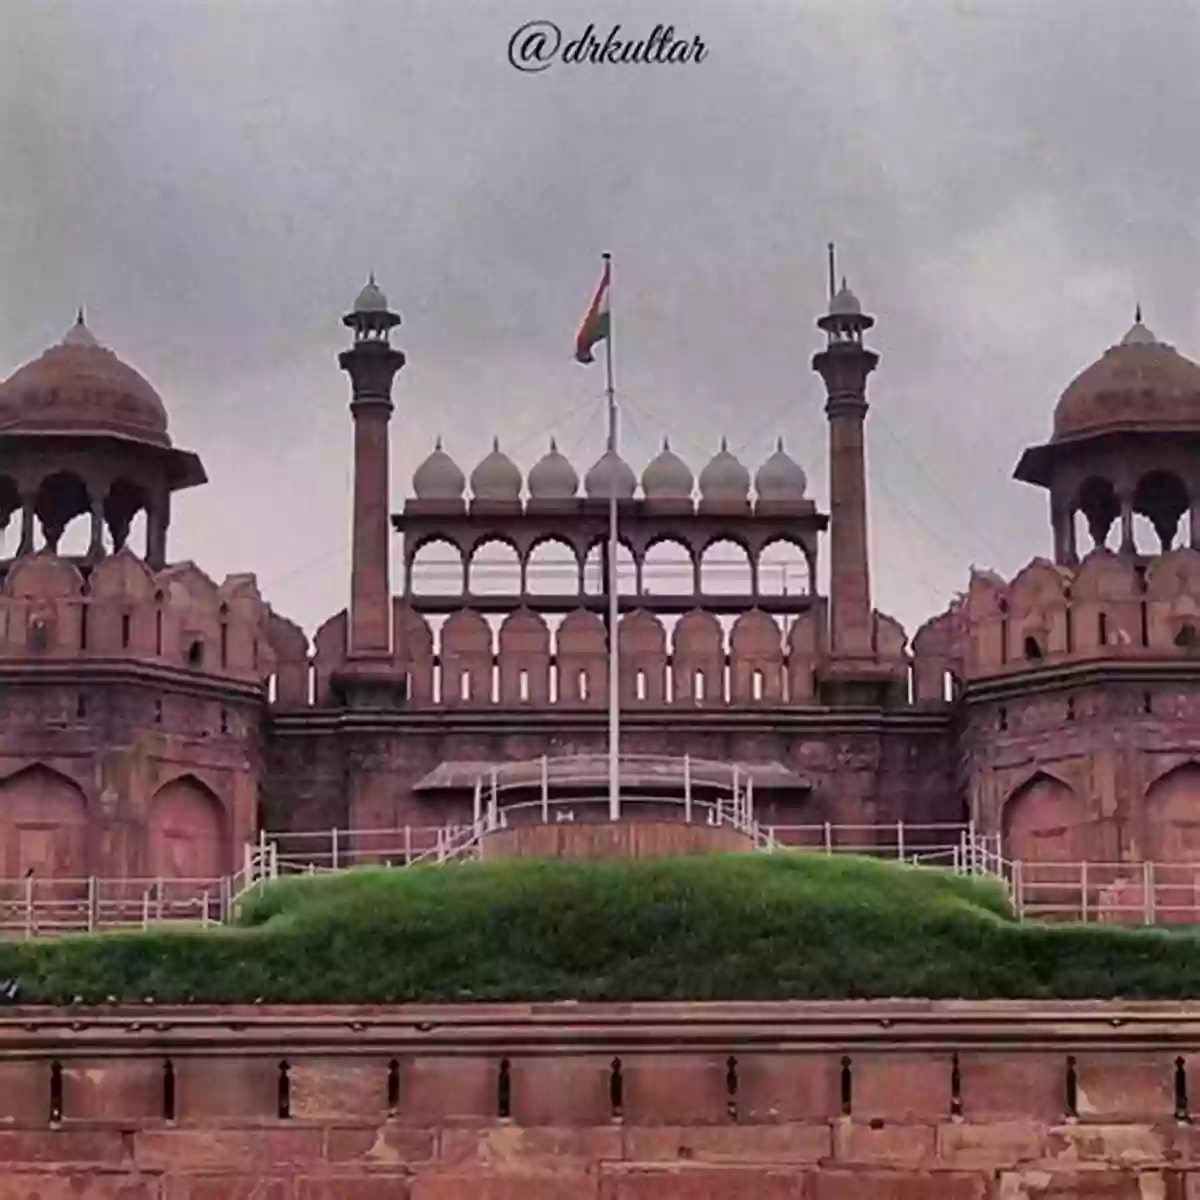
{"points": [[852, 674], [844, 364], [372, 364]]}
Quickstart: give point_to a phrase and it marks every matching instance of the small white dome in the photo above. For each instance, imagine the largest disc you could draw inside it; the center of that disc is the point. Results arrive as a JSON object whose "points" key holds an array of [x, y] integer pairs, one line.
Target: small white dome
{"points": [[845, 303], [552, 477], [439, 477], [780, 478], [1138, 334], [724, 479], [667, 477], [496, 477], [610, 473], [371, 298], [79, 334]]}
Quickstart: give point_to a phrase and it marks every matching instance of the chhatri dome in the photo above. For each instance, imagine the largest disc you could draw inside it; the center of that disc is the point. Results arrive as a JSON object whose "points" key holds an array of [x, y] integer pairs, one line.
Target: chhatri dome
{"points": [[609, 473], [780, 479], [497, 477], [1140, 383], [439, 477], [371, 298], [667, 477], [845, 303], [82, 387], [724, 479], [552, 477]]}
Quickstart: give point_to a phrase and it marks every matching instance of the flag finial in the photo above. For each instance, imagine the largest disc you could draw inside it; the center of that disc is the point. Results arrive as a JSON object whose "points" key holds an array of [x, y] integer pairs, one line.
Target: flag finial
{"points": [[1137, 314]]}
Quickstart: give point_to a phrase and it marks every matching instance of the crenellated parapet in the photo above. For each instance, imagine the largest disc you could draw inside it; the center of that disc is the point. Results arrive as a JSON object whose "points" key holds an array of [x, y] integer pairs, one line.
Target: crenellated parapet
{"points": [[530, 660], [54, 609], [1108, 607]]}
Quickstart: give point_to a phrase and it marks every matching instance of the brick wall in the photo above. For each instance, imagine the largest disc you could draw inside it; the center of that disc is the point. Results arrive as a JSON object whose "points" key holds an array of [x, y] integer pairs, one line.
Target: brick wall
{"points": [[897, 1100]]}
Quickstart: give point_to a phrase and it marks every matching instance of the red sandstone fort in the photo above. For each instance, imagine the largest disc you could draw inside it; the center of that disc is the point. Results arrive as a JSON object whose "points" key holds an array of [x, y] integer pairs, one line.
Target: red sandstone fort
{"points": [[163, 735], [155, 722]]}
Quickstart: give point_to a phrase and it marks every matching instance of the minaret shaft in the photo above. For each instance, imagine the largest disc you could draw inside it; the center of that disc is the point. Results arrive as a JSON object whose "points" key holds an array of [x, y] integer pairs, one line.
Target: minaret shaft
{"points": [[852, 674], [370, 577], [372, 364], [849, 553]]}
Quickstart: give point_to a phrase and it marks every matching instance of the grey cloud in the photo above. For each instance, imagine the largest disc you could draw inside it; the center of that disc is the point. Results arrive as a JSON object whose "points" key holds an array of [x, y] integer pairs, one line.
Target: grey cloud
{"points": [[1004, 179]]}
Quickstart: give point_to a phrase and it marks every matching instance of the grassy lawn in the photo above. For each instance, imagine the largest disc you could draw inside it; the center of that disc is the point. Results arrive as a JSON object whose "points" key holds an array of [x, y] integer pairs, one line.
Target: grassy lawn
{"points": [[722, 927]]}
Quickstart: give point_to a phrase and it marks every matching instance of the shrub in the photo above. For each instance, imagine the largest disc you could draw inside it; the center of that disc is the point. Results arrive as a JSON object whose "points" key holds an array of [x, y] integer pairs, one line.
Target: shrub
{"points": [[718, 927]]}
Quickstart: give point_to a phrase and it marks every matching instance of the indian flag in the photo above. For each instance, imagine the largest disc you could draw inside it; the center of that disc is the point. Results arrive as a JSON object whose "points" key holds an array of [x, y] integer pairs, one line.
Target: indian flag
{"points": [[595, 325]]}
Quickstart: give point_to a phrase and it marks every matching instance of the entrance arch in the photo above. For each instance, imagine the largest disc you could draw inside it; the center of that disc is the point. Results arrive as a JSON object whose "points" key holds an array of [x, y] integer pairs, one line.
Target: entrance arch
{"points": [[1044, 821], [43, 826], [1171, 835], [1172, 816], [186, 832], [1045, 828]]}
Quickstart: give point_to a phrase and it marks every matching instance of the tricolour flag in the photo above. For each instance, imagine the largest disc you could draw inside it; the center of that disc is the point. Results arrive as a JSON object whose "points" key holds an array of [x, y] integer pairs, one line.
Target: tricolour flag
{"points": [[595, 325]]}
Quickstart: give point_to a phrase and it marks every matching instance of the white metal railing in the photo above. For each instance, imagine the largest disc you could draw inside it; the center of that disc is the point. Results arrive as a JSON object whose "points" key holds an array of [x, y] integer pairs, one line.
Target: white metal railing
{"points": [[1146, 893], [935, 844], [33, 907], [335, 849]]}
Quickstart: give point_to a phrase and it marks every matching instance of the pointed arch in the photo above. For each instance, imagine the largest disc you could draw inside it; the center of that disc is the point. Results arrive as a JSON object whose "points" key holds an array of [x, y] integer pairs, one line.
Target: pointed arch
{"points": [[1171, 813], [186, 831], [43, 825], [1044, 820]]}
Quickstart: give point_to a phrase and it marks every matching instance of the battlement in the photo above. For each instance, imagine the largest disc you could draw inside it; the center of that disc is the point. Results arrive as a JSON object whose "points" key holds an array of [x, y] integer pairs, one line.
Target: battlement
{"points": [[1109, 607], [52, 609], [527, 660]]}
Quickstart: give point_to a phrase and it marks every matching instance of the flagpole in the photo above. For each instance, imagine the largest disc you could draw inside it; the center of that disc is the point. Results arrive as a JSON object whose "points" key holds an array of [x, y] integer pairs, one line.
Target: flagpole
{"points": [[614, 681]]}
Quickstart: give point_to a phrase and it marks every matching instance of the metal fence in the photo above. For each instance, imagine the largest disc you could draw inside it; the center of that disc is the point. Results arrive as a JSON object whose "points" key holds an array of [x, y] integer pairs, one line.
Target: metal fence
{"points": [[1146, 893], [1129, 893], [32, 907], [933, 844]]}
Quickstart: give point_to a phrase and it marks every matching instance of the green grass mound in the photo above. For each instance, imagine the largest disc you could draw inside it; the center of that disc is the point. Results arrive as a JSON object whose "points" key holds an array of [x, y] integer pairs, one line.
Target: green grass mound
{"points": [[719, 927]]}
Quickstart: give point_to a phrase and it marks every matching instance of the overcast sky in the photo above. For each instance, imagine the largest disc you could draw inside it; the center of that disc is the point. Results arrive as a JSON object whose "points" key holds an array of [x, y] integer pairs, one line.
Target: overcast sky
{"points": [[1004, 179]]}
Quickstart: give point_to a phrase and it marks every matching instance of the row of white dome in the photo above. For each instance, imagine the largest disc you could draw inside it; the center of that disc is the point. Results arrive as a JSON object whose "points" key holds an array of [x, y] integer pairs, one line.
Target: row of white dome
{"points": [[724, 479]]}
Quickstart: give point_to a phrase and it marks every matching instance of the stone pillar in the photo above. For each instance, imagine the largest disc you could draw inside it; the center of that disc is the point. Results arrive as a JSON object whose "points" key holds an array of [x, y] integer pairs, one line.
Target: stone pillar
{"points": [[1126, 500], [1194, 523], [96, 546], [158, 519], [28, 517], [1062, 516]]}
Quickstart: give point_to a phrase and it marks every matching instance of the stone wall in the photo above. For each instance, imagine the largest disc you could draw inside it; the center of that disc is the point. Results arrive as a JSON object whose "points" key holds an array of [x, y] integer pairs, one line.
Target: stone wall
{"points": [[806, 1101], [857, 769]]}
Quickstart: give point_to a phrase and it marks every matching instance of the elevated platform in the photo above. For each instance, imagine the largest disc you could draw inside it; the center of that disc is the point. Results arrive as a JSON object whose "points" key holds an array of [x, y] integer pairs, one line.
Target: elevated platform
{"points": [[613, 839]]}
